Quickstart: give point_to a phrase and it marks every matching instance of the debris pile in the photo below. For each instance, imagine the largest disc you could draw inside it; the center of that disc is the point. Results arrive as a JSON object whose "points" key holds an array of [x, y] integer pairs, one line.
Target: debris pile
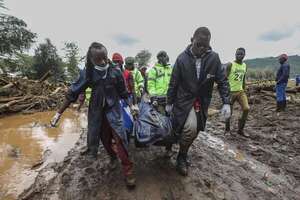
{"points": [[27, 96]]}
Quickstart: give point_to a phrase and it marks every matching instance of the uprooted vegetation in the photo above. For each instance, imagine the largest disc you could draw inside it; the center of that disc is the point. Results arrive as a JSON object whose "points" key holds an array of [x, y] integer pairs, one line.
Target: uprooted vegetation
{"points": [[27, 96]]}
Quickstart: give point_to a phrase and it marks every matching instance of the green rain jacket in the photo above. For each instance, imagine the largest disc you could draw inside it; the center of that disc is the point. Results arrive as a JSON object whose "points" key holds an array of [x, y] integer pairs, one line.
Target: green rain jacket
{"points": [[158, 80]]}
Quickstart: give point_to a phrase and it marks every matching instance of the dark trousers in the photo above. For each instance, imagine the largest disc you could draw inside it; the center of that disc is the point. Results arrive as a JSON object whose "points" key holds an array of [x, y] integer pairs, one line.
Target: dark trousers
{"points": [[114, 146], [280, 92]]}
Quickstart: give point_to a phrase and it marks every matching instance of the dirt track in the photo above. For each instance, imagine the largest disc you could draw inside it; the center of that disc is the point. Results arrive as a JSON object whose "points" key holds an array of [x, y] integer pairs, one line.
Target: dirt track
{"points": [[264, 166]]}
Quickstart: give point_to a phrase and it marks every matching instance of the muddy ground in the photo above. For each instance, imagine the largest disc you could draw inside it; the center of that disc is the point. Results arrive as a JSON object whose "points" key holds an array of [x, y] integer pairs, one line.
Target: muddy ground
{"points": [[264, 166]]}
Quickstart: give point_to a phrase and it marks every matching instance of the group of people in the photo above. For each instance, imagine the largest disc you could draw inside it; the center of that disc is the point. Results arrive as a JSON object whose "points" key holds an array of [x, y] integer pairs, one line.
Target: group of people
{"points": [[183, 90]]}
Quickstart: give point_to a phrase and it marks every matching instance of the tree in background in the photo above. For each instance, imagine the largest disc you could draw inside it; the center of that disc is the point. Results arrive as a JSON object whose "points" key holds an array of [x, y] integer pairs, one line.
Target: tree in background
{"points": [[14, 38], [14, 35], [72, 60], [2, 4], [271, 63], [143, 58], [260, 74], [251, 74], [24, 65], [46, 59], [20, 64], [269, 74]]}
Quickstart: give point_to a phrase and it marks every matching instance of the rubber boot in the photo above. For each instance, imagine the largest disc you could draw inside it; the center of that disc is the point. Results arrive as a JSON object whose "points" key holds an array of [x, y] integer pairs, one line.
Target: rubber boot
{"points": [[227, 125], [182, 165], [279, 106], [241, 125], [283, 105], [113, 163], [168, 153], [130, 180], [92, 153]]}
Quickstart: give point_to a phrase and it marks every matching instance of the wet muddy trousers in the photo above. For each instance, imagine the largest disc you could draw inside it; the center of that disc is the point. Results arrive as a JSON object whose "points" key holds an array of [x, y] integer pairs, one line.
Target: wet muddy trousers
{"points": [[242, 99], [189, 132], [115, 148]]}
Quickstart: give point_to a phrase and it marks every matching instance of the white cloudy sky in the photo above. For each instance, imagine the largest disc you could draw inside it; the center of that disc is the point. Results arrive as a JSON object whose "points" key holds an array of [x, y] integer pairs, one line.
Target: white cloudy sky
{"points": [[263, 27]]}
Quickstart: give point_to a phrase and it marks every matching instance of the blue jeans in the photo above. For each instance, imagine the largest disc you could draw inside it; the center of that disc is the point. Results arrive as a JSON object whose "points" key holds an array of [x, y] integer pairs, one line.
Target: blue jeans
{"points": [[280, 92]]}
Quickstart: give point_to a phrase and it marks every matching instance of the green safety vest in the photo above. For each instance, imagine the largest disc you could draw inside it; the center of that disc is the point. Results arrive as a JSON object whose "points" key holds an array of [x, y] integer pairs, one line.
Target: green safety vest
{"points": [[158, 80], [138, 81], [236, 76]]}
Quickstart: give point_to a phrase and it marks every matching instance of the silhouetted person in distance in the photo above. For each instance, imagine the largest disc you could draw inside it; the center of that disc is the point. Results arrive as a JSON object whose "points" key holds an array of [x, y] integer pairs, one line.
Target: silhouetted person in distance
{"points": [[282, 78]]}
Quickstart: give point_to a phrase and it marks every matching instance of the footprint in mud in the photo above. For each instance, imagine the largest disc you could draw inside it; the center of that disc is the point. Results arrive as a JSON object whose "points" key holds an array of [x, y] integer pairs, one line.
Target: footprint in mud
{"points": [[90, 170], [83, 161], [65, 179], [82, 183], [259, 153], [275, 161]]}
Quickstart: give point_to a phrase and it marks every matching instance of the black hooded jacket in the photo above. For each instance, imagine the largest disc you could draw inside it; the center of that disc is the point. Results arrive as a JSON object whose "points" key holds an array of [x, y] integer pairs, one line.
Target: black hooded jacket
{"points": [[185, 87]]}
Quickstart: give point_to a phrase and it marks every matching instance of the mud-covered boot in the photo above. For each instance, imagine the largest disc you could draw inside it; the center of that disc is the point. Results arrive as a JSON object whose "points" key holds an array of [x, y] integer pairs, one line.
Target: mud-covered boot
{"points": [[240, 131], [91, 153], [227, 125], [113, 162], [283, 105], [279, 106], [130, 181], [182, 165], [168, 152]]}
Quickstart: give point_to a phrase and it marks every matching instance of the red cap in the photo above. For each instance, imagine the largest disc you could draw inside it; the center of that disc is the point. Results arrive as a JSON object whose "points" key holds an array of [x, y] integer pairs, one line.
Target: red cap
{"points": [[117, 58], [285, 56]]}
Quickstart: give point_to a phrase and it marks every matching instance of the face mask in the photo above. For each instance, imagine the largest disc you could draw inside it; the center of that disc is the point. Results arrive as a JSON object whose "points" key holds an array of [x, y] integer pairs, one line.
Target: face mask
{"points": [[101, 67]]}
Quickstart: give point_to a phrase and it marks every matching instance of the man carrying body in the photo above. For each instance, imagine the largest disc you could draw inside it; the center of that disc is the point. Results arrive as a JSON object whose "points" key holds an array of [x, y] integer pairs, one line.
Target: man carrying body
{"points": [[157, 86], [105, 121], [190, 92], [158, 80]]}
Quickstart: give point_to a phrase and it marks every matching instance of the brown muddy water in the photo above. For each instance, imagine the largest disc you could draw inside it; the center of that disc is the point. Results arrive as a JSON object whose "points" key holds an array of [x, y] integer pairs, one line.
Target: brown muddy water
{"points": [[27, 143]]}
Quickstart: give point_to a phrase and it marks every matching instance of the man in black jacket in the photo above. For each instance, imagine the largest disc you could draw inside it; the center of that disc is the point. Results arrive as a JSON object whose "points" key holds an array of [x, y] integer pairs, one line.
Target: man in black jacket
{"points": [[190, 92]]}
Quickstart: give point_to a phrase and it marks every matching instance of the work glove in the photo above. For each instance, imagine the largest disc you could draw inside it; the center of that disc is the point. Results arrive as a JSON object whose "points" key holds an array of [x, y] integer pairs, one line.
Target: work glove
{"points": [[168, 109], [134, 109], [155, 103], [141, 91], [226, 112], [55, 119]]}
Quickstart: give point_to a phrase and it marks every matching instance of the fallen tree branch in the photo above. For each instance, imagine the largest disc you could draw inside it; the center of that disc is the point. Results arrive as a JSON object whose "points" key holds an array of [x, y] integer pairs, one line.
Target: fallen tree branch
{"points": [[5, 100], [4, 81], [7, 86], [45, 76], [7, 105]]}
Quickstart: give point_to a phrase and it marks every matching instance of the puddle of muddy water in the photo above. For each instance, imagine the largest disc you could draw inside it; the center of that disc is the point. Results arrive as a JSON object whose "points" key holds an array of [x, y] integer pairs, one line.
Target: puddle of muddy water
{"points": [[26, 140]]}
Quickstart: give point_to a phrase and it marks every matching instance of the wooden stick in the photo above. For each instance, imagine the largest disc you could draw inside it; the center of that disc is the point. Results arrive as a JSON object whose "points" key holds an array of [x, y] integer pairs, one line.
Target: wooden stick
{"points": [[4, 100], [45, 76], [7, 105]]}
